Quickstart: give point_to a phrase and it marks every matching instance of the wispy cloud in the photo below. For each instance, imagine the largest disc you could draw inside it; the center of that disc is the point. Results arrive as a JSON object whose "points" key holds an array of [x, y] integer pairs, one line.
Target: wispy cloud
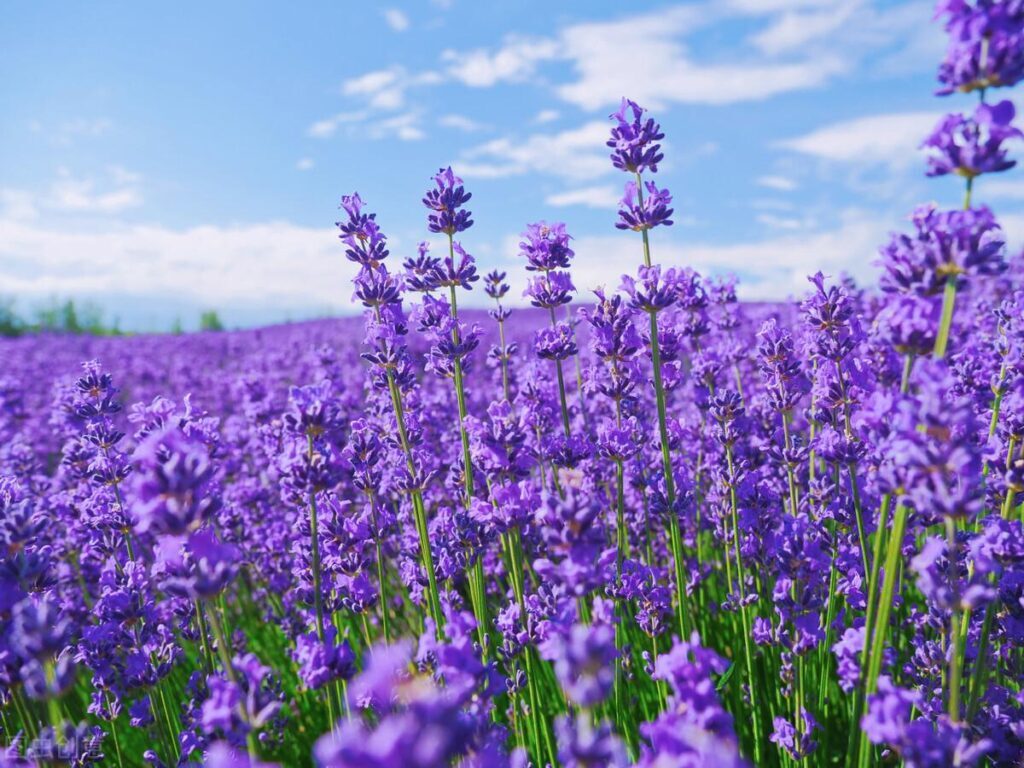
{"points": [[573, 154], [795, 29], [779, 183], [304, 164], [68, 131], [460, 123], [889, 139], [117, 192], [1001, 188], [324, 129], [396, 19], [515, 61], [603, 197]]}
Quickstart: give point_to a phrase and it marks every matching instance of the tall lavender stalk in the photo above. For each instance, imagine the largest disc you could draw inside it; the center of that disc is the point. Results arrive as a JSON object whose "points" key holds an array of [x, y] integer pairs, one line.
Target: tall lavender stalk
{"points": [[447, 215], [635, 146], [379, 291]]}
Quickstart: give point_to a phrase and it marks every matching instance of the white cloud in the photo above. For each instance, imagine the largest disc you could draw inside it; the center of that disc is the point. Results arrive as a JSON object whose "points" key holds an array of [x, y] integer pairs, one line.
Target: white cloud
{"points": [[405, 127], [661, 70], [794, 29], [603, 197], [546, 116], [84, 195], [1013, 226], [83, 126], [304, 164], [773, 221], [1000, 188], [515, 61], [67, 132], [396, 19], [17, 204], [797, 45], [382, 89], [780, 183], [890, 139], [763, 7], [324, 129], [275, 262], [460, 122], [573, 154]]}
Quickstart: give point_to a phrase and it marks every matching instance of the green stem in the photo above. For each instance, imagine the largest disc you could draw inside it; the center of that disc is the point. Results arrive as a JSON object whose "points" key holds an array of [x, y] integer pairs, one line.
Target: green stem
{"points": [[223, 650], [384, 602], [418, 508], [885, 604], [744, 615], [954, 625], [948, 305], [204, 637], [473, 573], [675, 540]]}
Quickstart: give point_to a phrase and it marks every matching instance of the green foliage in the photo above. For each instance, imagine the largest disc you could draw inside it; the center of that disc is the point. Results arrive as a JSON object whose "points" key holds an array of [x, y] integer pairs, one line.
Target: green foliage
{"points": [[210, 321], [78, 318]]}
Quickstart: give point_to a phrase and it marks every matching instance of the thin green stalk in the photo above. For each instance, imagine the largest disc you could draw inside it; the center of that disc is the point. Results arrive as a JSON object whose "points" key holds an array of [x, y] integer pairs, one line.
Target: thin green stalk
{"points": [[314, 535], [204, 637], [418, 508], [505, 388], [953, 700], [885, 603], [474, 574], [946, 323], [384, 602], [52, 705], [675, 540], [28, 721], [514, 555], [229, 670], [744, 615], [562, 399]]}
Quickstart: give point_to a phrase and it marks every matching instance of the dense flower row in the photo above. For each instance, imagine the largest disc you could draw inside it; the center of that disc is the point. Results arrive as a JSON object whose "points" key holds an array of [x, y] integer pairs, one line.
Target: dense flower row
{"points": [[662, 528]]}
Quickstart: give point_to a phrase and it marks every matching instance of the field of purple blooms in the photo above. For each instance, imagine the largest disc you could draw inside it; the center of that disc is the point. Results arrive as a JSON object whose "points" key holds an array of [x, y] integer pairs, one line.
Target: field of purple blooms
{"points": [[651, 526]]}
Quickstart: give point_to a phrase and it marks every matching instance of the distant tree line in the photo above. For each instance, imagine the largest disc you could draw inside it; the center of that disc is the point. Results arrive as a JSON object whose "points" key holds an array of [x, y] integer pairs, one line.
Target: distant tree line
{"points": [[77, 318]]}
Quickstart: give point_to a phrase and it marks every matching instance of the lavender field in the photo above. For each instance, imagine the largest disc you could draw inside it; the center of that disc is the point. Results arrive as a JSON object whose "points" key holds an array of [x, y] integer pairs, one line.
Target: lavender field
{"points": [[646, 525]]}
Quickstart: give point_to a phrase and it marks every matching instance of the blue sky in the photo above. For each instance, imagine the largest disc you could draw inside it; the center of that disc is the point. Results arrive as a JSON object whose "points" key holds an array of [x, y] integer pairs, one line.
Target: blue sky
{"points": [[161, 159]]}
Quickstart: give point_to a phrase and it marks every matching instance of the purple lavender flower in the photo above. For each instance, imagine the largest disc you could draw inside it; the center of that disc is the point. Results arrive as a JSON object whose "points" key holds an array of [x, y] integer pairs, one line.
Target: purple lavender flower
{"points": [[321, 662], [557, 343], [173, 483], [945, 243], [584, 662], [634, 140], [546, 247], [639, 213], [652, 291], [920, 743], [694, 730], [582, 745], [364, 243], [985, 47], [550, 290], [445, 204], [971, 146]]}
